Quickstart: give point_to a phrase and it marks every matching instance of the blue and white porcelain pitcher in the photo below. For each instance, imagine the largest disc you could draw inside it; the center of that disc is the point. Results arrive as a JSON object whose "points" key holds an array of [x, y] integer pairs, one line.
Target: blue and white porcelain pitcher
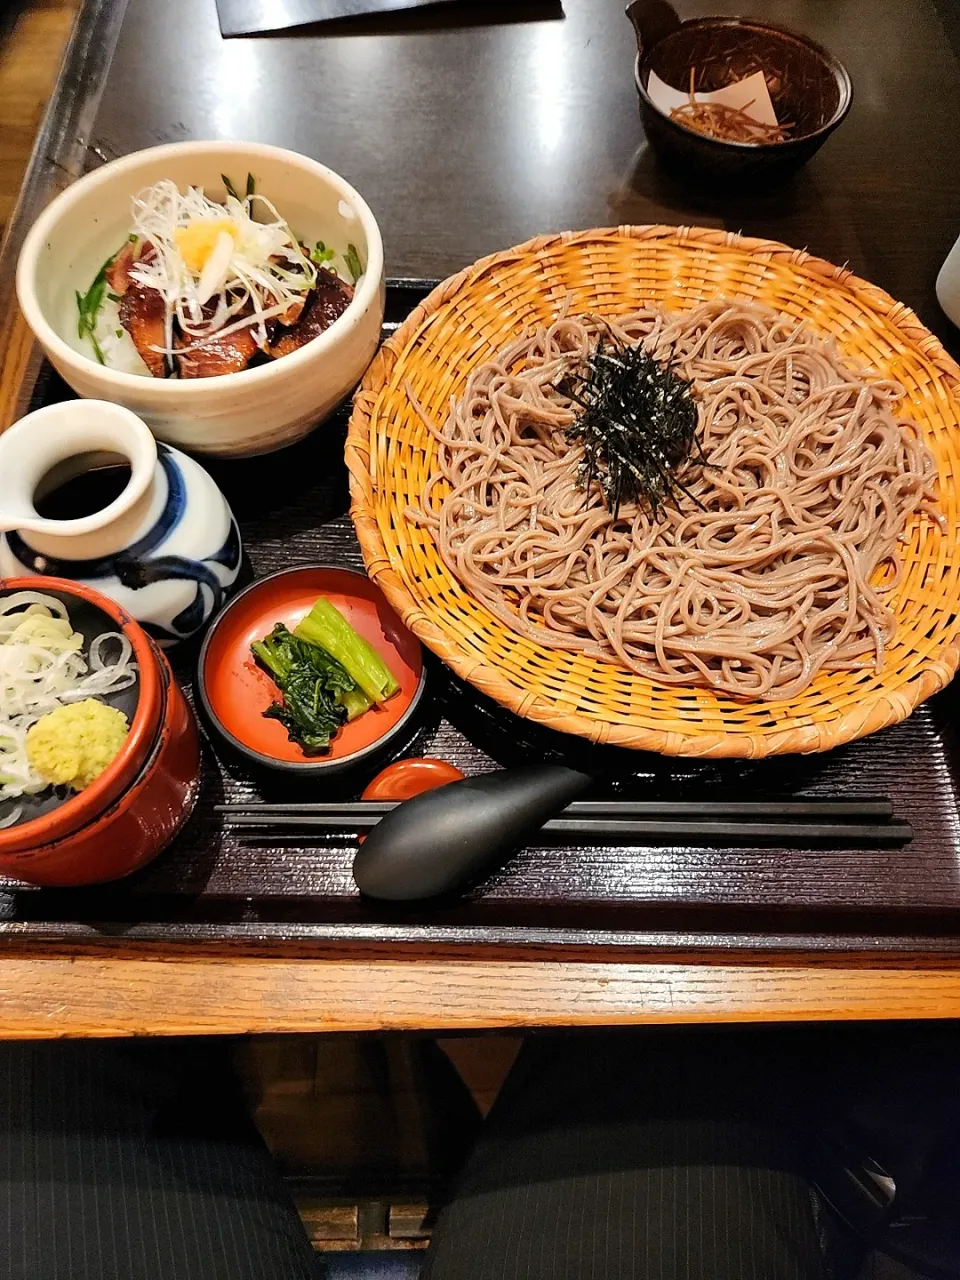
{"points": [[167, 548]]}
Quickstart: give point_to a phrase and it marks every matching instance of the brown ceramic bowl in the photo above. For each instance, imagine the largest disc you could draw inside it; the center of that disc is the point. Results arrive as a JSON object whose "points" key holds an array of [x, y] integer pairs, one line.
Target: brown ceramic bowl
{"points": [[808, 86], [136, 806]]}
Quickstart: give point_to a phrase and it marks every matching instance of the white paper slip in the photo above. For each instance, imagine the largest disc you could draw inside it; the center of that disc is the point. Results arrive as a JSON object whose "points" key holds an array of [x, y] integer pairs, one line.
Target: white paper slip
{"points": [[750, 96]]}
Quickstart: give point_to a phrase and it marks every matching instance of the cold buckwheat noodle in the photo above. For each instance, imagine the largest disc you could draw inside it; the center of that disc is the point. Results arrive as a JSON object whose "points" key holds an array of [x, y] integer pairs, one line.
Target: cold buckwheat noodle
{"points": [[784, 572]]}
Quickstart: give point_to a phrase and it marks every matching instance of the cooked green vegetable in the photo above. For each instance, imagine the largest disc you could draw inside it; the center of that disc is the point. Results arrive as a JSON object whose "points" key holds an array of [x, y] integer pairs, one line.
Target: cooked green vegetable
{"points": [[318, 694], [638, 426], [327, 627], [354, 265], [88, 308], [326, 673], [354, 701], [322, 254]]}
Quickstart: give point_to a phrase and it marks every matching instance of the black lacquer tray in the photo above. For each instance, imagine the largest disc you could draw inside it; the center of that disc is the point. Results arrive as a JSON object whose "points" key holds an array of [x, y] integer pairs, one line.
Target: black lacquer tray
{"points": [[211, 886]]}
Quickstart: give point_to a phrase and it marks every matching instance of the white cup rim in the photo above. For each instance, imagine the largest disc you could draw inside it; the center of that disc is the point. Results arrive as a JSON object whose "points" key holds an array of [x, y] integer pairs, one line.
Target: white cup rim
{"points": [[80, 426]]}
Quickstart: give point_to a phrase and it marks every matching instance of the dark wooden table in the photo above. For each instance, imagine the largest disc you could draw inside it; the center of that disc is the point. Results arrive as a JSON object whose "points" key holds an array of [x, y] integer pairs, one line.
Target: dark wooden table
{"points": [[469, 130], [469, 138]]}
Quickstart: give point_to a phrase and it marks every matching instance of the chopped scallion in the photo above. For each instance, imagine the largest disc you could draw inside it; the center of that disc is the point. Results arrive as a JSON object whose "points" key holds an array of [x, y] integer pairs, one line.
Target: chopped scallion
{"points": [[354, 265], [88, 308]]}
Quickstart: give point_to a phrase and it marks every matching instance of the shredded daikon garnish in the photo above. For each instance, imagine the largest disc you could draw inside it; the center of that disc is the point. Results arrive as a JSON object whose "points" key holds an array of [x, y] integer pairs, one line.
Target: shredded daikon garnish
{"points": [[244, 274], [42, 667]]}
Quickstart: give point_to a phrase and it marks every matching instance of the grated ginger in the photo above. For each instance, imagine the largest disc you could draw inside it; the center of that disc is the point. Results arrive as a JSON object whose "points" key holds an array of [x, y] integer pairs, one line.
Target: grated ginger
{"points": [[74, 744]]}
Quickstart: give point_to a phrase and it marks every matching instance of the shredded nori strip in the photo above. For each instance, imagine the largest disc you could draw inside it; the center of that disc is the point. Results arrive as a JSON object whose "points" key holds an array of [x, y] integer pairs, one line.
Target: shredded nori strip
{"points": [[637, 424]]}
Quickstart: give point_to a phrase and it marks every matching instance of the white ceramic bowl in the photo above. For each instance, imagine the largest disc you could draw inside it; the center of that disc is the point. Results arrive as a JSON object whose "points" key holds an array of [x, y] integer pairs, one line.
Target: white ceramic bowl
{"points": [[237, 414]]}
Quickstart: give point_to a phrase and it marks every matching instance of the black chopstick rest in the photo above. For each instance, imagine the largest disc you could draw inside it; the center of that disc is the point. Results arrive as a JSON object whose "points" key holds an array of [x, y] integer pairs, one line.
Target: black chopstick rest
{"points": [[440, 840]]}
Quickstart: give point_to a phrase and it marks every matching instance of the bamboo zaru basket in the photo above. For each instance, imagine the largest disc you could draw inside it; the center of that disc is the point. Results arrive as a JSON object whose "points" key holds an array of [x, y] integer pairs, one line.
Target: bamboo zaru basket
{"points": [[469, 317]]}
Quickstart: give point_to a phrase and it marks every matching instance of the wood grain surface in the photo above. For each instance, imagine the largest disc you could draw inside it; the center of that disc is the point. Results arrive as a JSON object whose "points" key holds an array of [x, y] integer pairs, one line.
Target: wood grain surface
{"points": [[85, 995], [32, 39], [16, 350]]}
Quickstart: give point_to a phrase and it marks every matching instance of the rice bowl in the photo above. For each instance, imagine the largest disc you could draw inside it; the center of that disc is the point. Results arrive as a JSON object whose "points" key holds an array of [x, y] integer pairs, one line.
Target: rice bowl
{"points": [[236, 414]]}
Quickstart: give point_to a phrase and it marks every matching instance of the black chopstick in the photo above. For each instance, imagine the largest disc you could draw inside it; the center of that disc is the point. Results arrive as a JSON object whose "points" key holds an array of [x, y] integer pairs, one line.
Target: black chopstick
{"points": [[601, 829], [865, 808]]}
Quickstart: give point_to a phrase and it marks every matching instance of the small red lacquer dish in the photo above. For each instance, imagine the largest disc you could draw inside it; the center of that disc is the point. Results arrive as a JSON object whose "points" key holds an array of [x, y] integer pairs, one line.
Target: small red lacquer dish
{"points": [[234, 691], [405, 779], [136, 806]]}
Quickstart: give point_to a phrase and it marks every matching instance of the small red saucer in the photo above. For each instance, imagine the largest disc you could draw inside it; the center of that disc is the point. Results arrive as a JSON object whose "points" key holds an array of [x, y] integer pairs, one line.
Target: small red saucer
{"points": [[405, 779]]}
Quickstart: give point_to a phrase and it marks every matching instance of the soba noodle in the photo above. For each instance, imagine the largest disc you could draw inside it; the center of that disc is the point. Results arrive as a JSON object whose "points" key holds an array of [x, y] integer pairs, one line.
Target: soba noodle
{"points": [[784, 572]]}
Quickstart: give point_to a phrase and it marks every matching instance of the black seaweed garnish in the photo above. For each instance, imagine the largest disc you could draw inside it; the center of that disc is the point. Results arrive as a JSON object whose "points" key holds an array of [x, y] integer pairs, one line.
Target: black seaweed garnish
{"points": [[637, 424]]}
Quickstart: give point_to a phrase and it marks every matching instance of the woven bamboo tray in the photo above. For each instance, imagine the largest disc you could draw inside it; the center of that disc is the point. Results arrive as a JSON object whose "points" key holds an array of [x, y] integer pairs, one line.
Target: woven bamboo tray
{"points": [[465, 320]]}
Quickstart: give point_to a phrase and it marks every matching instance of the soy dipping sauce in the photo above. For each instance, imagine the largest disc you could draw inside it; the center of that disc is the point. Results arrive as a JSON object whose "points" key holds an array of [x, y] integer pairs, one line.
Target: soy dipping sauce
{"points": [[84, 494]]}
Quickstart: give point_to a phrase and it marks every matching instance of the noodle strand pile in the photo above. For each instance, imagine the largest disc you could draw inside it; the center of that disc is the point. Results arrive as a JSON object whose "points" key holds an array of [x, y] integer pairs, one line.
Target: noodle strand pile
{"points": [[781, 572]]}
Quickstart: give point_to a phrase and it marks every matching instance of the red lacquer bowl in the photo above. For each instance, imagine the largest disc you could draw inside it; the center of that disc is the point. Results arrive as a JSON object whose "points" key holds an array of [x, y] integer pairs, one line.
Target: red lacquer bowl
{"points": [[137, 805], [233, 692]]}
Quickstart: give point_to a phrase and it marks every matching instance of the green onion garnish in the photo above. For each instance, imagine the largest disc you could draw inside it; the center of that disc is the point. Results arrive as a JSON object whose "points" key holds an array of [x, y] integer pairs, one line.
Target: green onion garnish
{"points": [[354, 265], [232, 190], [321, 254], [88, 308]]}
